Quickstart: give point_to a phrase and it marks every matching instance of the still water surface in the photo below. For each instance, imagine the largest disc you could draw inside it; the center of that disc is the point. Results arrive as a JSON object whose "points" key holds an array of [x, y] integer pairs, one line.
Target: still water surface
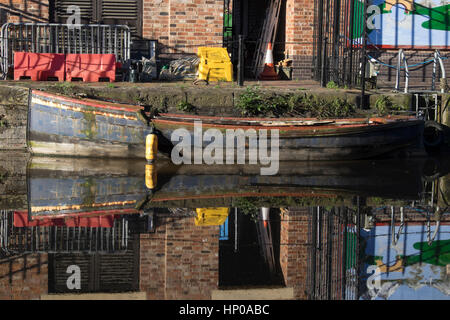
{"points": [[348, 230]]}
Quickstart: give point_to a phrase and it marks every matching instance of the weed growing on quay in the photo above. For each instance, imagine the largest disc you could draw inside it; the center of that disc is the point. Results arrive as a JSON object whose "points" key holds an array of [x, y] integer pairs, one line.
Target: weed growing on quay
{"points": [[253, 102]]}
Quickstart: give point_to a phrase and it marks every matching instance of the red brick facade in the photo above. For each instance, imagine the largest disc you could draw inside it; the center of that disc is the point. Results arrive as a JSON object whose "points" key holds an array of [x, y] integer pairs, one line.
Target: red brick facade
{"points": [[181, 26], [299, 36], [23, 277], [25, 11], [180, 260]]}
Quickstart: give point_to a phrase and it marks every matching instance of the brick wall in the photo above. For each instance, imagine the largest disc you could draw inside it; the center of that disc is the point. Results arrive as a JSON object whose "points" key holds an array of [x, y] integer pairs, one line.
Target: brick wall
{"points": [[181, 26], [180, 260], [23, 277], [13, 118], [293, 249], [25, 11], [299, 36]]}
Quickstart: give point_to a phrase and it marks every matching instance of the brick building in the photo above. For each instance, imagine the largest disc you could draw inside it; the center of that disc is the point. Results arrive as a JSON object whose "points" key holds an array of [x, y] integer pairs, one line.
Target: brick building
{"points": [[181, 26]]}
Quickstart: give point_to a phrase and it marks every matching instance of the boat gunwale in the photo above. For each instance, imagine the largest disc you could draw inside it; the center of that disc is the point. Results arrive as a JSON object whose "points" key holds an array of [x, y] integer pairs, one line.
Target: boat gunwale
{"points": [[379, 119], [90, 102], [310, 130]]}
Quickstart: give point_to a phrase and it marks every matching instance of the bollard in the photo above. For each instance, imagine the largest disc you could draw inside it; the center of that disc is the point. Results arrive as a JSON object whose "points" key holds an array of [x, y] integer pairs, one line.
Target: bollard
{"points": [[151, 147]]}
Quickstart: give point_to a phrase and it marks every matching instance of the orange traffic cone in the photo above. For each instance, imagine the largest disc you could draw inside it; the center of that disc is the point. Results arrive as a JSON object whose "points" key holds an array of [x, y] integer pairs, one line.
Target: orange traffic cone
{"points": [[269, 69], [265, 216]]}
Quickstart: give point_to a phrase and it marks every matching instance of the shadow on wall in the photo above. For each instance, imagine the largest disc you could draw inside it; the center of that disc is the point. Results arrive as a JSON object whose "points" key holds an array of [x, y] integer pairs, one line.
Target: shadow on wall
{"points": [[25, 11], [20, 264], [23, 276]]}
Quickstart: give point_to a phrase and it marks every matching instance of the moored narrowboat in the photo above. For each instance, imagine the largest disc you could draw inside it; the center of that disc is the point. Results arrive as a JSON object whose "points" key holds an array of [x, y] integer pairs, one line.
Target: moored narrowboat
{"points": [[309, 138], [63, 126]]}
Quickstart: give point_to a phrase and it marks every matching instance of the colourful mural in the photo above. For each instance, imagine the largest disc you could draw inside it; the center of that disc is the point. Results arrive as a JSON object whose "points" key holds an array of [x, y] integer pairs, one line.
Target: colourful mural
{"points": [[404, 23], [408, 267]]}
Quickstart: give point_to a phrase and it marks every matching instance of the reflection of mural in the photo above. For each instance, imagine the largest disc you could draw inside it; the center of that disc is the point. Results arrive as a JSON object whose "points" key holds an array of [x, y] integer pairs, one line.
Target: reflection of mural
{"points": [[408, 4], [410, 268], [405, 23]]}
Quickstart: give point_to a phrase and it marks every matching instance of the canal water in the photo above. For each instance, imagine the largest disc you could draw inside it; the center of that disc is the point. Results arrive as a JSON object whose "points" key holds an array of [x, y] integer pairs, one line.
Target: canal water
{"points": [[354, 230]]}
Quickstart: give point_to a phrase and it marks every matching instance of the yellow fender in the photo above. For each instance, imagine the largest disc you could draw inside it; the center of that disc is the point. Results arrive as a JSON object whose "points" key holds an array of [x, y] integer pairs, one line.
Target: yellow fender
{"points": [[151, 147]]}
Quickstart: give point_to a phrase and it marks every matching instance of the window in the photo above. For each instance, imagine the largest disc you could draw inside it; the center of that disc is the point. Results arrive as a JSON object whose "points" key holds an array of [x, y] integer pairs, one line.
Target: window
{"points": [[126, 12]]}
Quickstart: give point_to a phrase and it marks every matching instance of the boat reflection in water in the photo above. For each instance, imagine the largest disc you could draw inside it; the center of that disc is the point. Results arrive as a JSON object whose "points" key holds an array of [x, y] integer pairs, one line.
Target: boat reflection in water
{"points": [[322, 230]]}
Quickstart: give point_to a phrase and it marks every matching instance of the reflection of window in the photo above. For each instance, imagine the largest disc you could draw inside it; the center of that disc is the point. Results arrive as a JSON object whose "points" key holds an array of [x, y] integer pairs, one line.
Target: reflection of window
{"points": [[105, 272], [125, 12]]}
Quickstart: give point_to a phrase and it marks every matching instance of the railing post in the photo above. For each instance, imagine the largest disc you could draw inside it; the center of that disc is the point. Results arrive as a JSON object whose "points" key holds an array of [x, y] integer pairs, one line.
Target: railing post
{"points": [[240, 75], [433, 76], [323, 73], [399, 64], [364, 59]]}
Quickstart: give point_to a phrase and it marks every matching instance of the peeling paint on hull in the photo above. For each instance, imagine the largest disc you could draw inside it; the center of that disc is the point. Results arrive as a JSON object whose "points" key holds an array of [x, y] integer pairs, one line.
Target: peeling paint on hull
{"points": [[62, 126], [351, 140]]}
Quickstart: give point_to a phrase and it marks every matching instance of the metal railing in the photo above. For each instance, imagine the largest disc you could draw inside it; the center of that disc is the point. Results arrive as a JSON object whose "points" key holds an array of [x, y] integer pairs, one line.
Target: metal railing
{"points": [[402, 59], [339, 42], [333, 254], [62, 239], [438, 59], [62, 38]]}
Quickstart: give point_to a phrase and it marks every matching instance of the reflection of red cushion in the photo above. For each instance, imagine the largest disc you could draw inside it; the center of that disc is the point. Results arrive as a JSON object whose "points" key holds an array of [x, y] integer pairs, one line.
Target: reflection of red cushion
{"points": [[21, 220], [39, 66], [91, 67], [94, 222]]}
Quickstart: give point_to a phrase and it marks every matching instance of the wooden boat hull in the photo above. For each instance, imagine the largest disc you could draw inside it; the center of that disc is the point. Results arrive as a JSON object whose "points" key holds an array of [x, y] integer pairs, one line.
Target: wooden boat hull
{"points": [[64, 126], [356, 139]]}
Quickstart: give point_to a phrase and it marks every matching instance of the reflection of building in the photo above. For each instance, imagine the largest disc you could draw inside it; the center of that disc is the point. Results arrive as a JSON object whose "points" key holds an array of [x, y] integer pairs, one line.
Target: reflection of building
{"points": [[306, 253], [332, 256], [23, 276], [293, 249], [179, 260], [388, 252], [37, 254]]}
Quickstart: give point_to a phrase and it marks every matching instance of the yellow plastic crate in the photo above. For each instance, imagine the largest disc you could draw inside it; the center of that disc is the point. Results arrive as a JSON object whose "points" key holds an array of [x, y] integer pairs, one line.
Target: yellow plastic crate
{"points": [[215, 64], [211, 216]]}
